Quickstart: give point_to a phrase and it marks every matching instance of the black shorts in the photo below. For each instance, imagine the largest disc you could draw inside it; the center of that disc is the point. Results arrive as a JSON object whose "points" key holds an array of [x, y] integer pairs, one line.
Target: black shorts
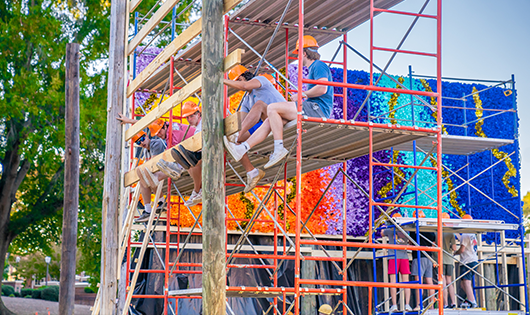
{"points": [[464, 268]]}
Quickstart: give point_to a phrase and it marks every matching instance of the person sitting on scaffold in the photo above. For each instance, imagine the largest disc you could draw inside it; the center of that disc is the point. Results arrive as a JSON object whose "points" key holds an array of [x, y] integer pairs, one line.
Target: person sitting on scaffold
{"points": [[261, 93], [318, 103], [156, 144]]}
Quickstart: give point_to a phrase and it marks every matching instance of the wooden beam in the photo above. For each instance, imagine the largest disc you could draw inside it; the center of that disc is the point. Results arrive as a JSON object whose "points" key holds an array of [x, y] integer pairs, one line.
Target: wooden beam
{"points": [[177, 44], [232, 125], [111, 197], [133, 4], [194, 86], [71, 182], [159, 15]]}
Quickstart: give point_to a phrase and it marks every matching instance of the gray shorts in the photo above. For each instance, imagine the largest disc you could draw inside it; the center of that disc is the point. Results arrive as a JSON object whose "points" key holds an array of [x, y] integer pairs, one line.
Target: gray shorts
{"points": [[448, 269], [426, 267], [311, 109]]}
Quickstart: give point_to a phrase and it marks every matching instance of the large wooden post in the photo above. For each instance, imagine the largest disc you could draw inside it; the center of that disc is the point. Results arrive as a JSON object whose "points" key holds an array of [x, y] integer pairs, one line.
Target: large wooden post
{"points": [[111, 189], [71, 182], [213, 195]]}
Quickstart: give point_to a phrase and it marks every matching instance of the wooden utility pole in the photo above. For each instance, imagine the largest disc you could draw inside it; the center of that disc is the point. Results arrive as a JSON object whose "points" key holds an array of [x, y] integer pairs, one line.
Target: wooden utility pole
{"points": [[213, 191], [71, 182], [111, 189]]}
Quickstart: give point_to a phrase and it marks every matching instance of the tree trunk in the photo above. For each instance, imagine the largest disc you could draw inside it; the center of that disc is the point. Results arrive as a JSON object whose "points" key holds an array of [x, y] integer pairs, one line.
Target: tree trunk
{"points": [[4, 245]]}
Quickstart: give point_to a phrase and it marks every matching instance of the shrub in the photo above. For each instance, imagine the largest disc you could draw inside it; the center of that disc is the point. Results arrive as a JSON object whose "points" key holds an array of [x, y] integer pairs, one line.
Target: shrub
{"points": [[50, 293], [17, 294], [7, 290], [89, 290], [28, 296], [35, 294], [11, 295], [26, 292]]}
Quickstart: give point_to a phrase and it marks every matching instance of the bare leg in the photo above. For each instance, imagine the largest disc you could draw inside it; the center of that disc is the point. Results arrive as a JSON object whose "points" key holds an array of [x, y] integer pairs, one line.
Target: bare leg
{"points": [[451, 289], [393, 291], [431, 291], [146, 194], [405, 278], [257, 112], [196, 175], [259, 135], [278, 114], [246, 163], [469, 290], [418, 301], [445, 291]]}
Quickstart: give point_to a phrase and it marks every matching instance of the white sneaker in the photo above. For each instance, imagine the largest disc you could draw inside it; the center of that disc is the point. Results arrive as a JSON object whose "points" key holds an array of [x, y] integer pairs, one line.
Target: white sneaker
{"points": [[194, 199], [253, 181], [236, 151], [408, 308], [233, 137], [393, 309], [276, 157], [170, 169]]}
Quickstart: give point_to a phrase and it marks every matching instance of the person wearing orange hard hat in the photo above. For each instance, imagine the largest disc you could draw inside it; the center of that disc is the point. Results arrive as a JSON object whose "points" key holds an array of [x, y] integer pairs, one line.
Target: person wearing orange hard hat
{"points": [[318, 103], [156, 144], [260, 93], [193, 114], [468, 263]]}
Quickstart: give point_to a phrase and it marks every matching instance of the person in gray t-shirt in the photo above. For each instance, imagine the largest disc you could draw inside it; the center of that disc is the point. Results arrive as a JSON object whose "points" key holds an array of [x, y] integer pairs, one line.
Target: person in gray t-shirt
{"points": [[261, 93]]}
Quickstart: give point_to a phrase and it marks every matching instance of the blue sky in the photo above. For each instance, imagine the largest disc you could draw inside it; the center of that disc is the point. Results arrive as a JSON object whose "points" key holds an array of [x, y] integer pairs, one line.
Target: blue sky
{"points": [[481, 39]]}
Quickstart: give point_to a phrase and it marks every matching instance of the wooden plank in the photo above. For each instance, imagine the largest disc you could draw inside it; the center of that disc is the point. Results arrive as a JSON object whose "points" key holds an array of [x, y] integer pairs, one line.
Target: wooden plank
{"points": [[194, 86], [159, 15], [177, 44], [133, 4], [232, 125]]}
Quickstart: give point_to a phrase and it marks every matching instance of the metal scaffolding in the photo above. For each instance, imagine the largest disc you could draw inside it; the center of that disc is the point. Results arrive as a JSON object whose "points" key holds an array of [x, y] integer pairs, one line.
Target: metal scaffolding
{"points": [[265, 30]]}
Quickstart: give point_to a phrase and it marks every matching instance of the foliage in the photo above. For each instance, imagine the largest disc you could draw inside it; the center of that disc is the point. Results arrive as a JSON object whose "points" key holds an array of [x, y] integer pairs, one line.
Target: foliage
{"points": [[89, 290], [7, 290], [26, 292], [34, 265], [50, 293], [32, 71]]}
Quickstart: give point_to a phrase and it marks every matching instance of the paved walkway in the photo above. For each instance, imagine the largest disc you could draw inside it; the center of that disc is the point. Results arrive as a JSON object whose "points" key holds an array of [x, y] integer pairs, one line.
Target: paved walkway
{"points": [[25, 306]]}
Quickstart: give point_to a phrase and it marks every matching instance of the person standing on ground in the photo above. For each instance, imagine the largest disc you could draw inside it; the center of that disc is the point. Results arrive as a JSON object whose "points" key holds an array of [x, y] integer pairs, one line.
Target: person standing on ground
{"points": [[400, 264], [469, 261], [448, 270]]}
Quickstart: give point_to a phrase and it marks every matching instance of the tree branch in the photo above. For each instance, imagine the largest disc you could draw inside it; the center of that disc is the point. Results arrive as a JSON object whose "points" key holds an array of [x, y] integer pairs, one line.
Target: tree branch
{"points": [[21, 174]]}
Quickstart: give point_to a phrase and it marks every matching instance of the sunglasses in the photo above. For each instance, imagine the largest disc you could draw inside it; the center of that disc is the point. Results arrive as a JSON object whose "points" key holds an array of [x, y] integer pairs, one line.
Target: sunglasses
{"points": [[139, 141]]}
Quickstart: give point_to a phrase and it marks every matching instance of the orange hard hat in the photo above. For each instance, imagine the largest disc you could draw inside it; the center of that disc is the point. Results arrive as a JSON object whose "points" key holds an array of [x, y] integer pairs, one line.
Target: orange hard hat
{"points": [[420, 214], [138, 136], [155, 127], [467, 217], [236, 72], [309, 41], [397, 215], [189, 108], [445, 215], [269, 77]]}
